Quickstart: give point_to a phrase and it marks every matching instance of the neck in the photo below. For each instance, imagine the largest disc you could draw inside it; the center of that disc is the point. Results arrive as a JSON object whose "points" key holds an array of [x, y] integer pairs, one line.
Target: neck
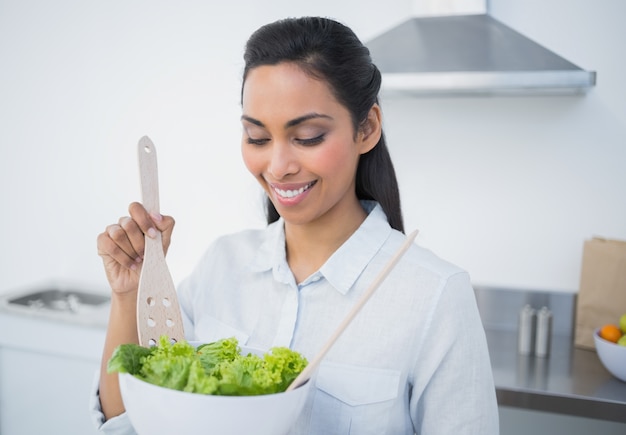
{"points": [[310, 245]]}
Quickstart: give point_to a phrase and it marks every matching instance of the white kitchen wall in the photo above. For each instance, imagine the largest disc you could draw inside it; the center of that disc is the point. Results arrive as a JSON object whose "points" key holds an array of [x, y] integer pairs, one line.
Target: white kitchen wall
{"points": [[507, 187], [82, 81], [511, 187]]}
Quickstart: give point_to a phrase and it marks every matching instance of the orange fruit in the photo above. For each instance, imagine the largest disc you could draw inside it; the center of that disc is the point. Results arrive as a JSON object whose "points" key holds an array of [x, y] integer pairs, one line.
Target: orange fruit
{"points": [[611, 333]]}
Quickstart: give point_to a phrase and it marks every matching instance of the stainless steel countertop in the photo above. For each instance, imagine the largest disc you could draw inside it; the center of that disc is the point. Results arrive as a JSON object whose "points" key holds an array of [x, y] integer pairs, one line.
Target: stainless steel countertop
{"points": [[569, 381]]}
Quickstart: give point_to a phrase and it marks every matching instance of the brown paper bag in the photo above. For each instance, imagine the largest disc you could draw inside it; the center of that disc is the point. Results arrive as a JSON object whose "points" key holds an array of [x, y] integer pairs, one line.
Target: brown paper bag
{"points": [[602, 293]]}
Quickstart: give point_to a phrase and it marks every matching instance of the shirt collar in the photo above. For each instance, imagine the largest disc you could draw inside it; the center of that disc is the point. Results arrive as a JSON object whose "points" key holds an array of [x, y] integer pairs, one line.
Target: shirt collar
{"points": [[345, 265], [272, 251], [348, 262]]}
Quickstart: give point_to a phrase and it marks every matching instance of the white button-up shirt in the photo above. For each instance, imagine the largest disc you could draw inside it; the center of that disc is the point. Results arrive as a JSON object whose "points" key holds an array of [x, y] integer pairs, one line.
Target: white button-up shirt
{"points": [[414, 360]]}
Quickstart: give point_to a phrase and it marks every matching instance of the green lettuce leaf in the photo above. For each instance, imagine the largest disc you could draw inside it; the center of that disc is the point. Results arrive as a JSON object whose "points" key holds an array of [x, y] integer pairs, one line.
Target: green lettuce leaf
{"points": [[127, 358], [213, 368], [212, 354]]}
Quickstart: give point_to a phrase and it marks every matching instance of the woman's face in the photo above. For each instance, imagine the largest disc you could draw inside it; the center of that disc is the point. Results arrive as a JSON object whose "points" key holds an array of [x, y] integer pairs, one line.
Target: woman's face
{"points": [[299, 142]]}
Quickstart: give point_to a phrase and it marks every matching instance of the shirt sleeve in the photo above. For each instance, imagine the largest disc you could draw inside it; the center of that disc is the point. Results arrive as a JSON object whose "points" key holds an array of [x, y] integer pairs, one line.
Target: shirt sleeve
{"points": [[119, 425], [453, 372]]}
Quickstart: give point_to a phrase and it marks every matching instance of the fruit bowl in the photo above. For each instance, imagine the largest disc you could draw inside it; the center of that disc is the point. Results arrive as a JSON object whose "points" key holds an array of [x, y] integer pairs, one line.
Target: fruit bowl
{"points": [[153, 409], [612, 355]]}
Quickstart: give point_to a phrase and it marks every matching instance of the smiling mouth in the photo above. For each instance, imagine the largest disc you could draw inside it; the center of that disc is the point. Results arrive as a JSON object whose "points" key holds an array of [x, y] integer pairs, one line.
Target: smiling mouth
{"points": [[290, 193]]}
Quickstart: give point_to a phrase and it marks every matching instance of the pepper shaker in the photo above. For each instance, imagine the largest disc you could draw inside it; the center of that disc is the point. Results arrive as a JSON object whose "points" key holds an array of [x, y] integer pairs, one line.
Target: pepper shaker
{"points": [[544, 332], [526, 330]]}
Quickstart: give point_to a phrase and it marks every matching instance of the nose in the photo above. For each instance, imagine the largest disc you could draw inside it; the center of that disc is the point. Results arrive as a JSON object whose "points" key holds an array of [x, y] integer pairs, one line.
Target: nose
{"points": [[283, 161]]}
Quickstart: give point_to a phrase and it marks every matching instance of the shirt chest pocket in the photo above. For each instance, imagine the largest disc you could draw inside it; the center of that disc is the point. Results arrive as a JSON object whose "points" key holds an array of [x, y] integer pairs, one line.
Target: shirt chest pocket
{"points": [[353, 400]]}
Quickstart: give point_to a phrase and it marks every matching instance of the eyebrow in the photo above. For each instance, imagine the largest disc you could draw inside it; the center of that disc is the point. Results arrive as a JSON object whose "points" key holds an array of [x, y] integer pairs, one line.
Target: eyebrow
{"points": [[290, 123]]}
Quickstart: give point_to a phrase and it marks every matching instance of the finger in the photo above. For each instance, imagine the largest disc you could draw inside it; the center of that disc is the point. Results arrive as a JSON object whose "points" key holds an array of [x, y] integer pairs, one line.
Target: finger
{"points": [[121, 238], [134, 235], [109, 248], [165, 224], [143, 219]]}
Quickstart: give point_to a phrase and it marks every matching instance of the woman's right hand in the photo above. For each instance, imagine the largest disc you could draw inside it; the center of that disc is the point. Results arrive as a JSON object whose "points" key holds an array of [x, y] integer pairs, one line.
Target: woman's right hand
{"points": [[121, 245]]}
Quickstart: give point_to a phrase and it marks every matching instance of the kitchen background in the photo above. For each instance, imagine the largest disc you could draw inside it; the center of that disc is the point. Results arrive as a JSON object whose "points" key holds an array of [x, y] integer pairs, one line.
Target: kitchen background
{"points": [[508, 187]]}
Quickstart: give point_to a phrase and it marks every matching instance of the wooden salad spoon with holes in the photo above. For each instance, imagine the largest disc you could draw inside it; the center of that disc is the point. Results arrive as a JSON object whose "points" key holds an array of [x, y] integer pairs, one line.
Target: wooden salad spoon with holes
{"points": [[158, 311]]}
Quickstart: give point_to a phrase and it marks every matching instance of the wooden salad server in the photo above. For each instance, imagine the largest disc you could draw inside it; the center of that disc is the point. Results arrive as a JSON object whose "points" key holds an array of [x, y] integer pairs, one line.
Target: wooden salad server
{"points": [[158, 311]]}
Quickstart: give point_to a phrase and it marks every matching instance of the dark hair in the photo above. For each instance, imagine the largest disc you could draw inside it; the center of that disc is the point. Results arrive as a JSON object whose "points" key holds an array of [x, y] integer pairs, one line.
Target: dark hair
{"points": [[330, 51]]}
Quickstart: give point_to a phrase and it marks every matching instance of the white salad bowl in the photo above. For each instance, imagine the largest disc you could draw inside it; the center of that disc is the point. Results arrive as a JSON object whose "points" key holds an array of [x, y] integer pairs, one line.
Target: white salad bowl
{"points": [[157, 410]]}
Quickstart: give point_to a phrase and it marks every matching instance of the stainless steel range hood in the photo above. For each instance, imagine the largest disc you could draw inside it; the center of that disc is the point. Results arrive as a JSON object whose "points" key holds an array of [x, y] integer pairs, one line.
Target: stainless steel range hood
{"points": [[470, 54]]}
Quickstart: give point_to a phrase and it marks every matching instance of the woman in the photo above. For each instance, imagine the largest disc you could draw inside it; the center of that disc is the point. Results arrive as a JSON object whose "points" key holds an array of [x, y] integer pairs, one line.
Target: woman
{"points": [[415, 358]]}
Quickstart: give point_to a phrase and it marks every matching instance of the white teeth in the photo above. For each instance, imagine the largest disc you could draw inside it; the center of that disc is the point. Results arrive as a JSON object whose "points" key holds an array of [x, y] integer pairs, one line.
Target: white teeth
{"points": [[292, 193]]}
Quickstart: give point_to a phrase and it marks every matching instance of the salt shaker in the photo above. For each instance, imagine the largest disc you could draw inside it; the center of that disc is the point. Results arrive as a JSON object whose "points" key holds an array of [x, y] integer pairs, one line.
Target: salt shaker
{"points": [[544, 332], [526, 331]]}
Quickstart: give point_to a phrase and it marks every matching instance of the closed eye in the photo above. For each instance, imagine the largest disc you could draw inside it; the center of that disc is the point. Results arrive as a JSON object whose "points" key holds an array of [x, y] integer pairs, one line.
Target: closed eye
{"points": [[252, 141], [312, 141]]}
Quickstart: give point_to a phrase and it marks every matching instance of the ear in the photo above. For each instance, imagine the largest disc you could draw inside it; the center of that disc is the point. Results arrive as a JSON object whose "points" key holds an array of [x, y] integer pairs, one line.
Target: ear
{"points": [[371, 130]]}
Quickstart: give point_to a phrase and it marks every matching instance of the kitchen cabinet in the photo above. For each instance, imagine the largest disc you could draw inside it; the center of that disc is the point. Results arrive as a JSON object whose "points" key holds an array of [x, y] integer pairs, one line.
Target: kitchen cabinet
{"points": [[44, 393], [47, 367]]}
